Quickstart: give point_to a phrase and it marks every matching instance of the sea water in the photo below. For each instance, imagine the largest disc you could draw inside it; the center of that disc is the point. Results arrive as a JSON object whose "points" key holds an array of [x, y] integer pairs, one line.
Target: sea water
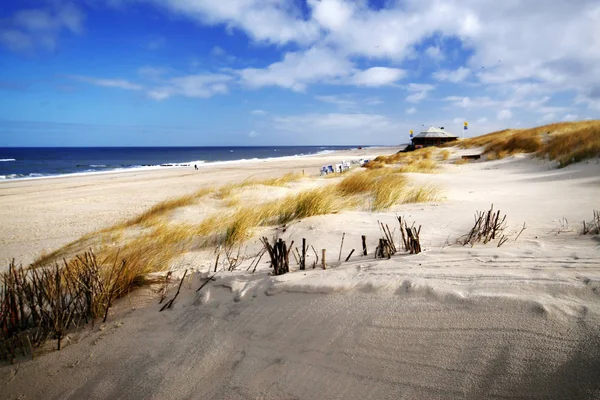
{"points": [[29, 162]]}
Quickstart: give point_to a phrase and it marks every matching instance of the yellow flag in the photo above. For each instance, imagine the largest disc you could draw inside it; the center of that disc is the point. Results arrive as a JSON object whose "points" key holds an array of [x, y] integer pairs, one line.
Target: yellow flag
{"points": [[466, 123], [411, 131]]}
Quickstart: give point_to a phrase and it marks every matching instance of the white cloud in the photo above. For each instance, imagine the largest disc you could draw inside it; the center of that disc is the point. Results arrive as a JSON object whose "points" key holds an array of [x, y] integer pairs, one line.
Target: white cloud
{"points": [[268, 21], [435, 52], [317, 65], [515, 43], [569, 117], [458, 120], [504, 115], [411, 110], [419, 91], [258, 112], [113, 83], [482, 120], [297, 69], [455, 76], [30, 29], [253, 134], [377, 76], [198, 85]]}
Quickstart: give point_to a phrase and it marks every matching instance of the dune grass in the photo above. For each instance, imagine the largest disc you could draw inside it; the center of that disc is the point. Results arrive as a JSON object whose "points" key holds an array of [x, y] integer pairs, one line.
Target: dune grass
{"points": [[226, 191], [150, 242], [388, 191], [418, 161], [445, 154], [565, 142], [424, 166]]}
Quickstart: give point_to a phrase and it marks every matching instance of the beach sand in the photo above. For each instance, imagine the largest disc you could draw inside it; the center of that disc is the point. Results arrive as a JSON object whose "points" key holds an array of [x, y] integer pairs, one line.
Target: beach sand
{"points": [[517, 321], [41, 215]]}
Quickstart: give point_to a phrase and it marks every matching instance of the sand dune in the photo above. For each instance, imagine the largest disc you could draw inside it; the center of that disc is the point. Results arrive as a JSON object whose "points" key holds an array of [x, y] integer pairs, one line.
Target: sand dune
{"points": [[517, 321]]}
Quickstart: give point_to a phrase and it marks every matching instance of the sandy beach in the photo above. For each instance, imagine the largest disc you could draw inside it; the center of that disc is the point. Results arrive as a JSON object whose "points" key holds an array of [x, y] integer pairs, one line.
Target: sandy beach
{"points": [[41, 215], [454, 322]]}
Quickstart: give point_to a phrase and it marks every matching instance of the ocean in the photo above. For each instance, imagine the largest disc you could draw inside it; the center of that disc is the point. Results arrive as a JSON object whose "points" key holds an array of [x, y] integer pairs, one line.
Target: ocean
{"points": [[29, 162]]}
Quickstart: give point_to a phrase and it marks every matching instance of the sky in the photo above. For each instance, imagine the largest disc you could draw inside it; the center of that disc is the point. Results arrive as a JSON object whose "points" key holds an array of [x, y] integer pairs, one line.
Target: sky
{"points": [[295, 72]]}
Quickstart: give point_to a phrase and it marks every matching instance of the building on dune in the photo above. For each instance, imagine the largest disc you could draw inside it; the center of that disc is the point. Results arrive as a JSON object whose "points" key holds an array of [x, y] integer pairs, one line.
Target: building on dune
{"points": [[432, 137]]}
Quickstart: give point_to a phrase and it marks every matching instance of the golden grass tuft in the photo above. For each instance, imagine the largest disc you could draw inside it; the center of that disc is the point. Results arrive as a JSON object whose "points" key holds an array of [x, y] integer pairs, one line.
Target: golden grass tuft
{"points": [[423, 194], [388, 191], [150, 216], [319, 201], [574, 147], [425, 165], [227, 191], [358, 182], [565, 142], [420, 161], [282, 180], [445, 154]]}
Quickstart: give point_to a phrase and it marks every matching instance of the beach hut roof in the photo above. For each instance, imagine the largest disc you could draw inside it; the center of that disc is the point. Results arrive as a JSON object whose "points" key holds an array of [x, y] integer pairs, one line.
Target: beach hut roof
{"points": [[433, 132]]}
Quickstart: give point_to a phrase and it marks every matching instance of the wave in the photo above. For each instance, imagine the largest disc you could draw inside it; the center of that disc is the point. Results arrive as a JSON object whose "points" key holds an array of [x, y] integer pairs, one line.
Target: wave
{"points": [[7, 159]]}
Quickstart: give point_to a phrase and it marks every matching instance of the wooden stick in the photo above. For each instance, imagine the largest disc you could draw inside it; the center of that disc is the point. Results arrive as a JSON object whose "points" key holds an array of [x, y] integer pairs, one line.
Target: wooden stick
{"points": [[323, 264], [170, 302], [341, 247], [217, 261], [349, 255], [522, 229], [316, 256], [364, 244], [303, 264]]}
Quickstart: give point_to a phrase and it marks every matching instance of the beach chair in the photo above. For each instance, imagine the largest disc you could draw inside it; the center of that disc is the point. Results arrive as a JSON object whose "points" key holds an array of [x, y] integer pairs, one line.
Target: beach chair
{"points": [[330, 169], [324, 170]]}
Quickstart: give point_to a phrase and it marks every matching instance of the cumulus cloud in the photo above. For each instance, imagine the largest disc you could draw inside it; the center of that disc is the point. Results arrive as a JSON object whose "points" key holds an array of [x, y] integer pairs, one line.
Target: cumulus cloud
{"points": [[258, 112], [558, 50], [411, 110], [263, 21], [317, 65], [455, 76], [377, 76]]}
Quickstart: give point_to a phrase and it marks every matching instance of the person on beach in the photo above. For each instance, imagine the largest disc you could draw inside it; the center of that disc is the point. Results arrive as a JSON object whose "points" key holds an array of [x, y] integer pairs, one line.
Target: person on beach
{"points": [[196, 167]]}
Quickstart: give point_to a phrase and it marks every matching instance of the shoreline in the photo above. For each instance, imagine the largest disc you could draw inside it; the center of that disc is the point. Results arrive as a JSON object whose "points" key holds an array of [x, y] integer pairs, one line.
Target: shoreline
{"points": [[183, 164]]}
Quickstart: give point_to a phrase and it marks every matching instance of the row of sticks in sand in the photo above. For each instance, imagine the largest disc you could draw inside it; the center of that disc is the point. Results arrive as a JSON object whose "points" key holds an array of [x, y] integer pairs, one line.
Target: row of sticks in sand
{"points": [[279, 252]]}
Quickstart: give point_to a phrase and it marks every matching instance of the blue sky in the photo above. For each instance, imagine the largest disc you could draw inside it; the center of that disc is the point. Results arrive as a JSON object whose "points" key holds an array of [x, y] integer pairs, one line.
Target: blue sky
{"points": [[257, 72]]}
